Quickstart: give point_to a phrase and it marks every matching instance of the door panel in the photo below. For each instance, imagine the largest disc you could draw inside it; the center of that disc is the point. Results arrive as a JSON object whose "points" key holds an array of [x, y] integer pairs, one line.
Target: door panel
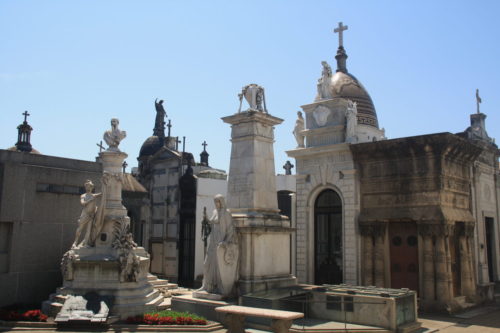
{"points": [[404, 255]]}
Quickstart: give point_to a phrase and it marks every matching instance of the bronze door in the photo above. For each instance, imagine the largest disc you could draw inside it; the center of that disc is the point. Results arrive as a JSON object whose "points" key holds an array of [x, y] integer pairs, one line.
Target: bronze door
{"points": [[404, 255], [328, 238]]}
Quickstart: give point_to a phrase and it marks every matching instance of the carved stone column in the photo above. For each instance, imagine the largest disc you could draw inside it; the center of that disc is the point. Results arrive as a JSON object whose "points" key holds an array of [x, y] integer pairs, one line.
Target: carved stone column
{"points": [[379, 258], [467, 274], [443, 291], [367, 269], [428, 264]]}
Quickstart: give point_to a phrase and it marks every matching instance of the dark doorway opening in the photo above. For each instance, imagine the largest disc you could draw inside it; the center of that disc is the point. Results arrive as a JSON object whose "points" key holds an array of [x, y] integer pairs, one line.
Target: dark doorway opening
{"points": [[488, 221], [328, 261]]}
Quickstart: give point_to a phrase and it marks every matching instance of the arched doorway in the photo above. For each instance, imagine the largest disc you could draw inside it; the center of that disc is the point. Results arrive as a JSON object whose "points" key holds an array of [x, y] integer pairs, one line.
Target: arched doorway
{"points": [[328, 238]]}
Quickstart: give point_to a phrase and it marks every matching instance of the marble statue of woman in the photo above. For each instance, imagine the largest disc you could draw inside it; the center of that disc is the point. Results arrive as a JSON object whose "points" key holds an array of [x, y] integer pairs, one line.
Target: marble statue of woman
{"points": [[351, 121], [113, 136], [297, 131], [221, 259], [86, 220], [324, 82]]}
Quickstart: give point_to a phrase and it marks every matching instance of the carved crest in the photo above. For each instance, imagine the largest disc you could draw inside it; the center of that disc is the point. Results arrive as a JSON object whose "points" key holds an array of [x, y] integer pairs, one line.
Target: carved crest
{"points": [[321, 114]]}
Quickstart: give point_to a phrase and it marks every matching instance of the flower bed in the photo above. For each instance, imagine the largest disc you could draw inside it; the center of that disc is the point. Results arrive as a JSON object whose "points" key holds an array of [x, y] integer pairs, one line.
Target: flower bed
{"points": [[167, 317], [30, 315]]}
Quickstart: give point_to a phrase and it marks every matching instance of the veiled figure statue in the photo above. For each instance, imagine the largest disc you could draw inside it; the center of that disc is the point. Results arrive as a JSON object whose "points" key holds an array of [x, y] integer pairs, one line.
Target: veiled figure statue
{"points": [[220, 270]]}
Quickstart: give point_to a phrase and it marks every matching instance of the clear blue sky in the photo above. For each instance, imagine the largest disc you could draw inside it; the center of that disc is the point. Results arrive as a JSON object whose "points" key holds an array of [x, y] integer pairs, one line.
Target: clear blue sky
{"points": [[75, 64]]}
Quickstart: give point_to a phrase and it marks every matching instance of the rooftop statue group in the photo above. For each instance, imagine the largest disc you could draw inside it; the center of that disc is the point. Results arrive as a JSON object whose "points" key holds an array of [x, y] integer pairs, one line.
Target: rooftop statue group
{"points": [[254, 95]]}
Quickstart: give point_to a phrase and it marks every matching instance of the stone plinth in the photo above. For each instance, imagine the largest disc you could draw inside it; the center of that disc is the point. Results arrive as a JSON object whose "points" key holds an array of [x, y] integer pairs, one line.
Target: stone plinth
{"points": [[95, 270], [252, 200], [251, 180]]}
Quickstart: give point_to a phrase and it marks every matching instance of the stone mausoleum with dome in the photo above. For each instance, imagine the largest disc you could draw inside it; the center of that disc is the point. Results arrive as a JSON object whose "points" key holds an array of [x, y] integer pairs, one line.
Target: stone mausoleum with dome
{"points": [[416, 212]]}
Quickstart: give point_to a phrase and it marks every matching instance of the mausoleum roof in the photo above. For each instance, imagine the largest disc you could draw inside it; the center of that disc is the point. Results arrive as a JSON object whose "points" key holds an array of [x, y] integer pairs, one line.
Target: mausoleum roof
{"points": [[150, 146], [346, 85]]}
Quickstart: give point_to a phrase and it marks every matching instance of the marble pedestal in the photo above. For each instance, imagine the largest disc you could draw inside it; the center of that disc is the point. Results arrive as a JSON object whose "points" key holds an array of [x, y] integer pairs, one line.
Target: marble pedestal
{"points": [[98, 271], [264, 234]]}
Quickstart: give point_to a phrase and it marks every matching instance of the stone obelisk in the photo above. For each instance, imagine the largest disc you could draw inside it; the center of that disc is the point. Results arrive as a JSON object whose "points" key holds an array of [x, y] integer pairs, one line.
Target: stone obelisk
{"points": [[252, 199]]}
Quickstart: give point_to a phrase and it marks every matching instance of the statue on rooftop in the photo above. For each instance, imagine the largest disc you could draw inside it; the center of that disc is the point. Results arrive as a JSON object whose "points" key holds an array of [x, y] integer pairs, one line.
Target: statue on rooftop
{"points": [[254, 95], [297, 131], [351, 117], [113, 136], [324, 82]]}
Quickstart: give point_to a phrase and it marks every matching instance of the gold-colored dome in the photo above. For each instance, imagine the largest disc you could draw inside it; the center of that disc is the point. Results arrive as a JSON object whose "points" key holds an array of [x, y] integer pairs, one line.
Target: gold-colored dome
{"points": [[346, 85]]}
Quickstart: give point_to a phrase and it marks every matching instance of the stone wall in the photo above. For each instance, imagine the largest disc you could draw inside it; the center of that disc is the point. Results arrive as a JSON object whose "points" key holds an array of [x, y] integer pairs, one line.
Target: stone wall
{"points": [[39, 209]]}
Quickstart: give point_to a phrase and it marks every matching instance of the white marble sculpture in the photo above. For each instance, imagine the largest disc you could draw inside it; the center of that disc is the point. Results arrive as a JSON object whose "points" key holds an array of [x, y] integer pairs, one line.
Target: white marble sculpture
{"points": [[113, 136], [297, 130], [254, 95], [220, 270], [324, 82], [351, 122], [87, 217]]}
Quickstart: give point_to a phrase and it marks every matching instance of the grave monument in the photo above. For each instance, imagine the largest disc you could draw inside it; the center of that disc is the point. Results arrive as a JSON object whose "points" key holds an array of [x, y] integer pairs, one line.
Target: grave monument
{"points": [[104, 261], [264, 234]]}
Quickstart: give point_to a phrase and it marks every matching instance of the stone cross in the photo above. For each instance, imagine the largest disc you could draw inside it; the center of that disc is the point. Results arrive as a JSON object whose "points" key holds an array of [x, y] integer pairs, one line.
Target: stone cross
{"points": [[341, 28], [169, 125], [204, 144], [124, 166], [288, 168], [478, 100], [26, 114], [101, 147]]}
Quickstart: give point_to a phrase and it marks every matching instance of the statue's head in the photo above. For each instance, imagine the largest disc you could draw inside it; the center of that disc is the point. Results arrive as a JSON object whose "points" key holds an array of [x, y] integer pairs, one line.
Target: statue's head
{"points": [[114, 122], [299, 114], [219, 201], [89, 186]]}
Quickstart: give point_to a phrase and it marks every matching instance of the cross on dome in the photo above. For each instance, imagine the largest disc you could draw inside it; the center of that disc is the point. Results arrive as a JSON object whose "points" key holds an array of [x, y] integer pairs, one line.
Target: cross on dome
{"points": [[340, 29]]}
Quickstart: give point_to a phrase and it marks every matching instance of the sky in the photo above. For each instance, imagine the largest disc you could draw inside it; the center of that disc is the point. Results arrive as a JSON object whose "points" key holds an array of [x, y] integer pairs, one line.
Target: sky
{"points": [[74, 65]]}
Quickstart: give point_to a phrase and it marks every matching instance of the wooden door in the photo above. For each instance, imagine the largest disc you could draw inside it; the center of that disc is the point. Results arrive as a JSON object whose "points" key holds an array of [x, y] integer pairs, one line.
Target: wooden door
{"points": [[404, 255]]}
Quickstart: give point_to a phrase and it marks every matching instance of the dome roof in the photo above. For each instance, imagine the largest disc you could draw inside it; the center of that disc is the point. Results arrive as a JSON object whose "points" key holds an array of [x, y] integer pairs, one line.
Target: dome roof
{"points": [[150, 146], [346, 85], [33, 150]]}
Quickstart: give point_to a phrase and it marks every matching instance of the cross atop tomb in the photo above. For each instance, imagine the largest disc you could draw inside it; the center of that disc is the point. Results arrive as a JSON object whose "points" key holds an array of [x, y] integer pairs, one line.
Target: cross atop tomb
{"points": [[340, 29], [478, 100], [26, 114], [169, 125], [101, 147], [204, 144]]}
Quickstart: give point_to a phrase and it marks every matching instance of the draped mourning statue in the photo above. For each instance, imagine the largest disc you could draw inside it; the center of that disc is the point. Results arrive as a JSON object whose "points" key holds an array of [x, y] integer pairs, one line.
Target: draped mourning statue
{"points": [[88, 200], [220, 270]]}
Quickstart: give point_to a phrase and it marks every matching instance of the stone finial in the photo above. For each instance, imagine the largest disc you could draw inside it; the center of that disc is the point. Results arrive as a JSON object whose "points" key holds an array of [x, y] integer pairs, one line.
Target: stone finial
{"points": [[254, 95], [114, 136]]}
